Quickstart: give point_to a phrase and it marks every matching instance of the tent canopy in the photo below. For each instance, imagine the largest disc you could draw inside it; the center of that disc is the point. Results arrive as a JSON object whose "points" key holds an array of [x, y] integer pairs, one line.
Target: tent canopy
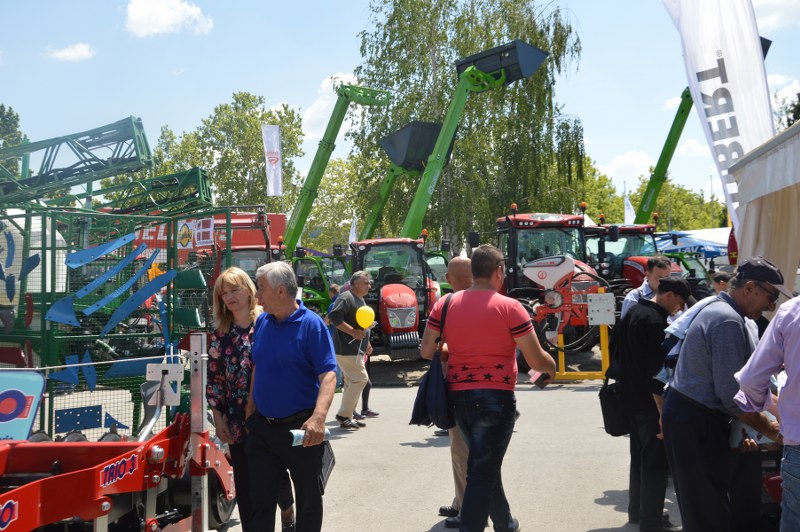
{"points": [[769, 192], [688, 243]]}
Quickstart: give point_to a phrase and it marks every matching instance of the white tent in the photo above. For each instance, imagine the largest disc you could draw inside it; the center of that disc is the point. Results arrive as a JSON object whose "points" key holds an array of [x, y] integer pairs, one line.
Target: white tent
{"points": [[769, 202]]}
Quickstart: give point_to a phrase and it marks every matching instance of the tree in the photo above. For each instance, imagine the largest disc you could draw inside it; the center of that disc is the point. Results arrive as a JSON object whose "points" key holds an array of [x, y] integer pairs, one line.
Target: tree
{"points": [[788, 112], [231, 150], [10, 135], [513, 142]]}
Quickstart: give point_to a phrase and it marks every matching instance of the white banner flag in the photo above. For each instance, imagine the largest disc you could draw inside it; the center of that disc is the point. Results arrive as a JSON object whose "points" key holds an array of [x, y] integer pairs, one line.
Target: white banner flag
{"points": [[353, 237], [630, 212], [727, 79], [271, 135]]}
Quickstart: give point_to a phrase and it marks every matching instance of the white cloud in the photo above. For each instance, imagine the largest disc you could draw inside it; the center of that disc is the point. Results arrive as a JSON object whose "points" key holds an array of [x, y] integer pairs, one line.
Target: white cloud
{"points": [[672, 103], [178, 71], [691, 147], [626, 168], [156, 17], [74, 53], [317, 116], [775, 14]]}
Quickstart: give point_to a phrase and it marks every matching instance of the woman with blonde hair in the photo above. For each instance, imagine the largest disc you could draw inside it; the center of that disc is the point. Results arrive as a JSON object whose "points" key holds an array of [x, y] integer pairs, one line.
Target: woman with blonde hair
{"points": [[230, 370]]}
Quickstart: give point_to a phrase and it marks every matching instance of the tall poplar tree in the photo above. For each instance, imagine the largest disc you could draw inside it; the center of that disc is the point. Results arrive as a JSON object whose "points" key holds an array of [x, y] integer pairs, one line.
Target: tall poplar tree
{"points": [[513, 143]]}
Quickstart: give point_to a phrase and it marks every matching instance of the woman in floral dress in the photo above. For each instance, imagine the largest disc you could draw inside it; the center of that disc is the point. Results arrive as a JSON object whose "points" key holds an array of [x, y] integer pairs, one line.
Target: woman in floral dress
{"points": [[229, 371]]}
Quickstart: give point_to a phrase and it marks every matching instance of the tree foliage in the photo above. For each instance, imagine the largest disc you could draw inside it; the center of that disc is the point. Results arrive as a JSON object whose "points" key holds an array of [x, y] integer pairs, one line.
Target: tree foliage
{"points": [[513, 142], [10, 135]]}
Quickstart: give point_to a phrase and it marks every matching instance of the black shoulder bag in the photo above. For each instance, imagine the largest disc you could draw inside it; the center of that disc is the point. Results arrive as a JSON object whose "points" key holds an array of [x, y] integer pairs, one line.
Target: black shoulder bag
{"points": [[430, 405]]}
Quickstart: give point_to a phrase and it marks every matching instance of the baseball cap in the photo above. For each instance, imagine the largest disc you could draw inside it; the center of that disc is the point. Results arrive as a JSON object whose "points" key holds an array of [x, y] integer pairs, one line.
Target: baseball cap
{"points": [[760, 269], [677, 285]]}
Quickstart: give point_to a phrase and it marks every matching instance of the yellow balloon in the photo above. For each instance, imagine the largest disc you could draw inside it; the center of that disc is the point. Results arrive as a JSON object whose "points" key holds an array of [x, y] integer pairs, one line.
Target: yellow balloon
{"points": [[365, 316]]}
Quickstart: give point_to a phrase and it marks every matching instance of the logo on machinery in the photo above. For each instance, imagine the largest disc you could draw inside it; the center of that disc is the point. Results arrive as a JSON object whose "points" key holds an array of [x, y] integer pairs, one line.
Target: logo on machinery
{"points": [[14, 405], [117, 471], [9, 512]]}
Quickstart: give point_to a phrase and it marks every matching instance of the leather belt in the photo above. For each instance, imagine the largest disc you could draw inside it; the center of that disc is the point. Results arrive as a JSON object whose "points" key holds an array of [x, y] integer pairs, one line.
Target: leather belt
{"points": [[303, 414]]}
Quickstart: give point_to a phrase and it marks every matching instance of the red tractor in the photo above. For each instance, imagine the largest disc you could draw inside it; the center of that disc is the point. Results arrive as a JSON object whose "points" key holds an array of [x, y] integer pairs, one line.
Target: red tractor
{"points": [[547, 271]]}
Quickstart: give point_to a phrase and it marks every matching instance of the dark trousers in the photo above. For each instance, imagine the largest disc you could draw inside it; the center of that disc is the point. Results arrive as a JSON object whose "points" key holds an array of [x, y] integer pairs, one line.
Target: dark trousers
{"points": [[696, 440], [241, 477], [270, 454], [486, 420], [744, 491], [649, 470]]}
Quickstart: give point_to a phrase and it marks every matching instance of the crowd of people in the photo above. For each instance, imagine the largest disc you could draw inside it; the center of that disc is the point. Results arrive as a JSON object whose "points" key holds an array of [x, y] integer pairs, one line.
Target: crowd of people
{"points": [[273, 368], [699, 421]]}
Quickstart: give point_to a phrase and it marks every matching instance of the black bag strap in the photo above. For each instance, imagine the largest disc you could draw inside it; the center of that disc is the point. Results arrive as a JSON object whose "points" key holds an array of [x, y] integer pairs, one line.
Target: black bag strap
{"points": [[444, 315]]}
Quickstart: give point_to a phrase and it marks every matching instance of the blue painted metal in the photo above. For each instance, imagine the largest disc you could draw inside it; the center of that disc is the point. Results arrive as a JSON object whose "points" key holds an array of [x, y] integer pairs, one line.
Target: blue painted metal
{"points": [[63, 311], [110, 422], [11, 287], [122, 289], [85, 256], [68, 375], [111, 272], [137, 299], [2, 273], [89, 373], [10, 247], [28, 265], [86, 417]]}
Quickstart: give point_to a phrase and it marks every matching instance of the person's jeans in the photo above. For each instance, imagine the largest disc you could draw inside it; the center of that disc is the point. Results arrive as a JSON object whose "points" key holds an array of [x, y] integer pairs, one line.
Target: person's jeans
{"points": [[486, 420], [790, 480]]}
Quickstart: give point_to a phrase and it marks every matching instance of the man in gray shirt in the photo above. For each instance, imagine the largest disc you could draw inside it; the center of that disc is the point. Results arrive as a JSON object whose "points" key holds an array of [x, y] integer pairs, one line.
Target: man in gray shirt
{"points": [[351, 343], [699, 404]]}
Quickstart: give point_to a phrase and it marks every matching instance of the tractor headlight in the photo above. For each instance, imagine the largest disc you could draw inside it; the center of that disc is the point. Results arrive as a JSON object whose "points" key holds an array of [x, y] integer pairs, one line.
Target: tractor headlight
{"points": [[553, 299]]}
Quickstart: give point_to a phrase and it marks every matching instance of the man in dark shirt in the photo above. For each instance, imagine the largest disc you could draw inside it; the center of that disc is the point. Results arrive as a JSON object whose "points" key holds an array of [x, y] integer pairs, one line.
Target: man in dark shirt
{"points": [[638, 351]]}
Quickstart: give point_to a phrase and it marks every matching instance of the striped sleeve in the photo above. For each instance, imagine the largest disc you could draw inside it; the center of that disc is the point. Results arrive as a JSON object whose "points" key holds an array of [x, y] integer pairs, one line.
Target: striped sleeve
{"points": [[519, 320], [435, 317]]}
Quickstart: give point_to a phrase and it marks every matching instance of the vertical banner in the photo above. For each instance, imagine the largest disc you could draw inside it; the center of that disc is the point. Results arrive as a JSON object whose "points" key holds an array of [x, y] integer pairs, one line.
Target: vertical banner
{"points": [[630, 212], [725, 66], [353, 237], [271, 135]]}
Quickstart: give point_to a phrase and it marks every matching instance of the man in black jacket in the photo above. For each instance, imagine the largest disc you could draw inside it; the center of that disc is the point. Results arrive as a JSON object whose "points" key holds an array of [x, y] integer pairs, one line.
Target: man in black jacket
{"points": [[638, 351]]}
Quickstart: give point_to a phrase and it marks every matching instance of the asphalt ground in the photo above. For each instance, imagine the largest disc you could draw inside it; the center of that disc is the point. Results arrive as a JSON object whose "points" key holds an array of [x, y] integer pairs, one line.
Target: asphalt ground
{"points": [[562, 472]]}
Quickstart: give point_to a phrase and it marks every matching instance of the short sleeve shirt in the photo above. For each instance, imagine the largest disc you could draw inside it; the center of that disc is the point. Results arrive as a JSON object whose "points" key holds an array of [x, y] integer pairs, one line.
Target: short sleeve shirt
{"points": [[480, 329]]}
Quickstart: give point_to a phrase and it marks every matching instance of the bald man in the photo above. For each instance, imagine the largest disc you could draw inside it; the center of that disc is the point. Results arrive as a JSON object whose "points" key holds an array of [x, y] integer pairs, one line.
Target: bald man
{"points": [[459, 275]]}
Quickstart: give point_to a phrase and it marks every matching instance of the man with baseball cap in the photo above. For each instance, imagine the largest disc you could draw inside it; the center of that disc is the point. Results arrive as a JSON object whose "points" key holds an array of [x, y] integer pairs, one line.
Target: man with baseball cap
{"points": [[699, 405], [638, 350]]}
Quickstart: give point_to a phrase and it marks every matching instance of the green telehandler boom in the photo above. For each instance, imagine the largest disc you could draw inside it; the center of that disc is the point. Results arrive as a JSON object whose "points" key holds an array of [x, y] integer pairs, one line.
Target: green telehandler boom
{"points": [[347, 94]]}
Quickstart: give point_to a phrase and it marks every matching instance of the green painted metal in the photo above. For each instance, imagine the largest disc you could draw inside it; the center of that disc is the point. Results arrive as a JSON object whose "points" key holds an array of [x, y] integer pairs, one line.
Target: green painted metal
{"points": [[87, 157], [374, 217], [347, 94], [178, 193], [469, 81], [659, 175]]}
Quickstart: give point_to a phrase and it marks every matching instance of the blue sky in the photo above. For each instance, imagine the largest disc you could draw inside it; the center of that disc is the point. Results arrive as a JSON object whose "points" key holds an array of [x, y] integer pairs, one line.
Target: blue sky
{"points": [[67, 67]]}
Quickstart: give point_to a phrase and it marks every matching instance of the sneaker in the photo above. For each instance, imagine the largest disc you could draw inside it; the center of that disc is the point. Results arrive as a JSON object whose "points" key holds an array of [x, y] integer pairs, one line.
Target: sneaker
{"points": [[360, 423], [441, 432], [347, 423], [358, 416], [369, 413], [287, 527]]}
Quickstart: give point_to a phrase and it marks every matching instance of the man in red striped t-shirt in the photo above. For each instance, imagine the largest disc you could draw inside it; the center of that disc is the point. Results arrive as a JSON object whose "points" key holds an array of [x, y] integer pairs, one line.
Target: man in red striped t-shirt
{"points": [[483, 330]]}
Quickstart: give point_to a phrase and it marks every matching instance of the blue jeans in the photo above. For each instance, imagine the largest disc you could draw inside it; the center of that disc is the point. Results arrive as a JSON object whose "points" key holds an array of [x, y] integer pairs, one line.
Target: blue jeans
{"points": [[486, 420], [790, 480]]}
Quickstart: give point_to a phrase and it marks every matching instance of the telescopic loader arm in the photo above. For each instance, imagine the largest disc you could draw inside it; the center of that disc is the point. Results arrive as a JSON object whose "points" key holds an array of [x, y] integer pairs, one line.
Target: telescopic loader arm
{"points": [[347, 94]]}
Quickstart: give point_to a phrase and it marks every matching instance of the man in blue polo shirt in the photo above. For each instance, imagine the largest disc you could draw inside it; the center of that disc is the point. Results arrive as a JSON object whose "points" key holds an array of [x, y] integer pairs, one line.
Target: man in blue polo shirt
{"points": [[293, 383]]}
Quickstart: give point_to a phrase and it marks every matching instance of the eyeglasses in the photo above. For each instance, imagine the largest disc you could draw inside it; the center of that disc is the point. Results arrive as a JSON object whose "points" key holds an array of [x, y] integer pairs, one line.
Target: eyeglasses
{"points": [[773, 296], [232, 292]]}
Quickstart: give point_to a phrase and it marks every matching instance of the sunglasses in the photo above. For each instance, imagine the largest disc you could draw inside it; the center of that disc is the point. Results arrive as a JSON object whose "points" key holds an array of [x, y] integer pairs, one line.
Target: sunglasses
{"points": [[773, 296]]}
